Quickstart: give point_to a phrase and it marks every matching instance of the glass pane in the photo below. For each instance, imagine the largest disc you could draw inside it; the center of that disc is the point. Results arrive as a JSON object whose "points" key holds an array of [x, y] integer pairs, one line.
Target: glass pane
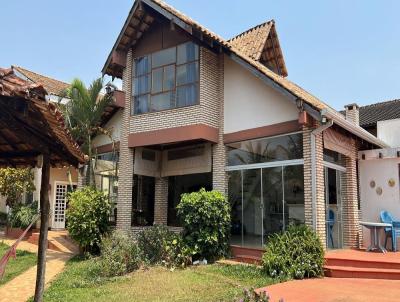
{"points": [[272, 199], [294, 194], [169, 77], [164, 57], [141, 85], [157, 80], [252, 208], [187, 95], [162, 101], [142, 65], [141, 104], [143, 200], [266, 150], [187, 52], [187, 73], [235, 200]]}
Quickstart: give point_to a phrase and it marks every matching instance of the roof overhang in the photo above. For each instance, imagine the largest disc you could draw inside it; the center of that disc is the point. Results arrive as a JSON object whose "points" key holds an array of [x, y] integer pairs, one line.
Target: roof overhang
{"points": [[339, 120]]}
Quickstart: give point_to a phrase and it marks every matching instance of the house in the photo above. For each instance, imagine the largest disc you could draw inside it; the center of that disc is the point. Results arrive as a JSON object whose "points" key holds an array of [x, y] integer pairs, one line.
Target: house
{"points": [[61, 178], [203, 111], [379, 175]]}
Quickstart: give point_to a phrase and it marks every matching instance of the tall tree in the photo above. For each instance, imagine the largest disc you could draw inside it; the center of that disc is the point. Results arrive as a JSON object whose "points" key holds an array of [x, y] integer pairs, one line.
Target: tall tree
{"points": [[83, 116]]}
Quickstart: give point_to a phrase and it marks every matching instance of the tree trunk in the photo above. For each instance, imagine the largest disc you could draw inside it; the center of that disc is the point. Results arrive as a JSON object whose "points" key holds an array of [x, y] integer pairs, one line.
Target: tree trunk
{"points": [[44, 225]]}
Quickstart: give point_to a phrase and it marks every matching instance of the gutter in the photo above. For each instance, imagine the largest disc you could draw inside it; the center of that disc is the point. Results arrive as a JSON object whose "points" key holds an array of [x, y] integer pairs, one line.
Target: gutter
{"points": [[314, 133]]}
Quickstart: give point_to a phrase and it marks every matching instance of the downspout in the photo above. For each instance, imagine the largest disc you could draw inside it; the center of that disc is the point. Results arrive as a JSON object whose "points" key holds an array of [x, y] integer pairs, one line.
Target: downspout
{"points": [[314, 133]]}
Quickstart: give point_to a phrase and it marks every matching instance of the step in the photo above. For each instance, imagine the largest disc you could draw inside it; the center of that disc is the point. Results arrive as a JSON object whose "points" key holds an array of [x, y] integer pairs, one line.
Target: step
{"points": [[360, 272], [59, 244], [362, 263], [247, 259]]}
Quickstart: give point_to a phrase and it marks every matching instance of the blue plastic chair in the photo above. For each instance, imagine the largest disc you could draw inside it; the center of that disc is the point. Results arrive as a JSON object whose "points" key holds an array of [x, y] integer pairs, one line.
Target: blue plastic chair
{"points": [[331, 222], [393, 231]]}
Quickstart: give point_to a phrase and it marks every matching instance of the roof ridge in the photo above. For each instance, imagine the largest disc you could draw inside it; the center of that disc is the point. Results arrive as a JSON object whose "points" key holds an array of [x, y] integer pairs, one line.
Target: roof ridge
{"points": [[272, 21], [39, 74], [380, 103]]}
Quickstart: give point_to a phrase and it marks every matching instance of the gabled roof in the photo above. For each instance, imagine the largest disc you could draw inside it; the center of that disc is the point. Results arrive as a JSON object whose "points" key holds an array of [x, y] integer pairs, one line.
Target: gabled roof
{"points": [[143, 13], [51, 85], [382, 111], [29, 121], [261, 44]]}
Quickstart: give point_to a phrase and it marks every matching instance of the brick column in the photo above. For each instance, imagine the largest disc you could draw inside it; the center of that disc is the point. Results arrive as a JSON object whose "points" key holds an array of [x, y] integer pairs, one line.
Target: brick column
{"points": [[220, 180], [320, 183], [126, 155], [161, 200], [351, 228]]}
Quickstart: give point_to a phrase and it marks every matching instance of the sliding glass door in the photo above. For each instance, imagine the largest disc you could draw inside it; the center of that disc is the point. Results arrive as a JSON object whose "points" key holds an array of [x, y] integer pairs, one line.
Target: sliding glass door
{"points": [[265, 201]]}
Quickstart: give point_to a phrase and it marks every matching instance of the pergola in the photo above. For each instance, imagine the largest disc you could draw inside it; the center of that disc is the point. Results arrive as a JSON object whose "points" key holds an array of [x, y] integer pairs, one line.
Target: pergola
{"points": [[33, 134]]}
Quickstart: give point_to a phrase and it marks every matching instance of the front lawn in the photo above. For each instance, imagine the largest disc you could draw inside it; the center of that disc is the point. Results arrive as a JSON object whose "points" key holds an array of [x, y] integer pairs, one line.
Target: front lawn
{"points": [[24, 261], [215, 282]]}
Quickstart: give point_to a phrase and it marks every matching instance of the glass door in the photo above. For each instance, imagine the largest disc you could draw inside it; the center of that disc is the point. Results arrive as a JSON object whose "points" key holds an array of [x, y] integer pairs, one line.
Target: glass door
{"points": [[333, 208]]}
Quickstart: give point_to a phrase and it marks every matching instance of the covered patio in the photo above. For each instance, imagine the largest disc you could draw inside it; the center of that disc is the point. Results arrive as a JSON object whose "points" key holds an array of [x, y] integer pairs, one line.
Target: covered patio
{"points": [[33, 134]]}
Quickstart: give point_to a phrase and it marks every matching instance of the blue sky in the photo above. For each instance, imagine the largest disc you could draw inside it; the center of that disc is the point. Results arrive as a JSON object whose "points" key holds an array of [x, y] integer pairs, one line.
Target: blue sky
{"points": [[342, 51]]}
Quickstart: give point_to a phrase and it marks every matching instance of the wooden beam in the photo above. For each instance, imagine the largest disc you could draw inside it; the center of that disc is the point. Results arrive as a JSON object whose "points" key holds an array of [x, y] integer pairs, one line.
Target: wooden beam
{"points": [[18, 154]]}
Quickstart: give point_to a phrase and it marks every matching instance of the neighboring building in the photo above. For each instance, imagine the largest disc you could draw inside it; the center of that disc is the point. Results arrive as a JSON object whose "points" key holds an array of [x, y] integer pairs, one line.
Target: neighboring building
{"points": [[380, 168], [61, 178], [202, 111]]}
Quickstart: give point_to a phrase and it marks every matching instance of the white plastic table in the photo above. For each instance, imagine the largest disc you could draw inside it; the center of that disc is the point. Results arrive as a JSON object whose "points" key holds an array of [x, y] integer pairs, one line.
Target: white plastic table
{"points": [[374, 228]]}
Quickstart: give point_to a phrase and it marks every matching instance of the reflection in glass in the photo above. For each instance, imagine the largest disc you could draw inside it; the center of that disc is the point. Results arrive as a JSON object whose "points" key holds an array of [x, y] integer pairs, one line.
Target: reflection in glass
{"points": [[284, 147]]}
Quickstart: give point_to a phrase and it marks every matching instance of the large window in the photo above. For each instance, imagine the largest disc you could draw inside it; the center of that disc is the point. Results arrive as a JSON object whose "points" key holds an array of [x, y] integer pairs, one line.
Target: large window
{"points": [[166, 79], [279, 148]]}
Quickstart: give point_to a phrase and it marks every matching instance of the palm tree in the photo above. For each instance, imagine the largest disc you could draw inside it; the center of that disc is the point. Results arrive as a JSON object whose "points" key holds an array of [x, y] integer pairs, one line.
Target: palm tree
{"points": [[83, 116]]}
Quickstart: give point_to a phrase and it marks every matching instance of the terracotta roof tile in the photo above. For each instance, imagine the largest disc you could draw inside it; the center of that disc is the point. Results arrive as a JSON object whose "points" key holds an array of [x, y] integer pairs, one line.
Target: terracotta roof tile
{"points": [[51, 124], [51, 85]]}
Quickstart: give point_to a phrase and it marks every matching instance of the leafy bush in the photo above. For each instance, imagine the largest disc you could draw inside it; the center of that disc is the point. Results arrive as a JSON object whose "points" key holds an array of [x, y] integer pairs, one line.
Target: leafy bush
{"points": [[87, 217], [119, 255], [252, 296], [159, 245], [294, 254], [14, 182], [22, 215], [205, 216]]}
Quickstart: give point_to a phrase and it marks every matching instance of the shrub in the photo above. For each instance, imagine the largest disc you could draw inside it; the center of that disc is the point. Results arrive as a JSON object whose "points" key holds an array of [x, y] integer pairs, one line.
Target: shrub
{"points": [[294, 254], [252, 296], [119, 255], [205, 216], [22, 215], [159, 245], [87, 217]]}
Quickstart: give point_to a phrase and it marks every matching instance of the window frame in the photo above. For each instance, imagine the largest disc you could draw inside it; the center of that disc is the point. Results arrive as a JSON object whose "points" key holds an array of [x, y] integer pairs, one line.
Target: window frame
{"points": [[174, 90]]}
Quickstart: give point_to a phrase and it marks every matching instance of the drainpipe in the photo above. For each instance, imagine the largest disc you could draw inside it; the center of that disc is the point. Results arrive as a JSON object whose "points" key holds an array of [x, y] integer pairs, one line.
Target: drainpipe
{"points": [[314, 133]]}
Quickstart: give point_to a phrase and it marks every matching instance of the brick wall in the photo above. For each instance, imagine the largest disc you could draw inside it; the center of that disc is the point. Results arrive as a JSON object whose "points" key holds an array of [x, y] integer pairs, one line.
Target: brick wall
{"points": [[351, 228], [161, 200], [126, 155]]}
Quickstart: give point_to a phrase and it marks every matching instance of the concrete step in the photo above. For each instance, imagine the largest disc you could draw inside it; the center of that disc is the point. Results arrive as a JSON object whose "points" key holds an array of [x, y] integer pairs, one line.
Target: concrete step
{"points": [[60, 243], [361, 272], [361, 263], [247, 259]]}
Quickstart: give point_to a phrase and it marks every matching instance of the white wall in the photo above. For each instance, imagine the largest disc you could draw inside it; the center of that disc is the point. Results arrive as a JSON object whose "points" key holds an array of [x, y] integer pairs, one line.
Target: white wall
{"points": [[114, 126], [380, 171], [250, 103], [389, 131]]}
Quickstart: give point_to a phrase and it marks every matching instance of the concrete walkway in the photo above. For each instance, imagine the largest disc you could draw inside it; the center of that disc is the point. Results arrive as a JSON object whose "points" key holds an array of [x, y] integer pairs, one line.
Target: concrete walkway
{"points": [[335, 290], [22, 287]]}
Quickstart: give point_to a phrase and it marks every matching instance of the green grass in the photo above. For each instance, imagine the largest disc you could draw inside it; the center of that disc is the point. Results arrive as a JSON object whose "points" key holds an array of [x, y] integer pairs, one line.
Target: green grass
{"points": [[215, 282], [24, 261]]}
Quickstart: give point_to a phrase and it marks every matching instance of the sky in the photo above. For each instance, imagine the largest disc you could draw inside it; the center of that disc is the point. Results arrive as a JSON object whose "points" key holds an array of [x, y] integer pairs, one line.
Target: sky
{"points": [[342, 51]]}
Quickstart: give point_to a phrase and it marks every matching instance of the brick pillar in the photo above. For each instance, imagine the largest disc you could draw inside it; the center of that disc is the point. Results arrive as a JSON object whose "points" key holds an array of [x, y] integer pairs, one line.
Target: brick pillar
{"points": [[351, 228], [320, 183], [161, 200], [126, 155], [220, 179]]}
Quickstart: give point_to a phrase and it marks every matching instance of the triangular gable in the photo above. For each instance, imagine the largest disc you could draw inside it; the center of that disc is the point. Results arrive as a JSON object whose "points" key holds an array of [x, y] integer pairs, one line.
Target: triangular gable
{"points": [[262, 45]]}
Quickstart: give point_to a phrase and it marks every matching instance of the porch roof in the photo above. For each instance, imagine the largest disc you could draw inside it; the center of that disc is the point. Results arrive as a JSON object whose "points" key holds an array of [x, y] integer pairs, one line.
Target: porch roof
{"points": [[30, 125]]}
